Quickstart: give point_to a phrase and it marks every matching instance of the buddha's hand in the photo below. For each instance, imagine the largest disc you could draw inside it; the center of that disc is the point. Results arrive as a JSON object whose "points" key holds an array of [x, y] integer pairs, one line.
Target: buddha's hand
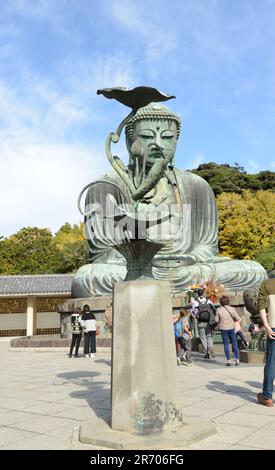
{"points": [[220, 259], [188, 260], [173, 262]]}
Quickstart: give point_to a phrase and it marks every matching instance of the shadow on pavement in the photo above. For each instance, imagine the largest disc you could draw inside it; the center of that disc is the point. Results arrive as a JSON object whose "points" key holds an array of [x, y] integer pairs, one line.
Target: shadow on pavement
{"points": [[92, 390], [236, 390], [108, 362], [257, 385]]}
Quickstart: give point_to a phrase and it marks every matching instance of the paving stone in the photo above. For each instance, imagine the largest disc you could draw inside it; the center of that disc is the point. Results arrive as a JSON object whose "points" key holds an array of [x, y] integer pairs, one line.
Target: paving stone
{"points": [[10, 435], [249, 420], [57, 395], [42, 426], [12, 417], [41, 442]]}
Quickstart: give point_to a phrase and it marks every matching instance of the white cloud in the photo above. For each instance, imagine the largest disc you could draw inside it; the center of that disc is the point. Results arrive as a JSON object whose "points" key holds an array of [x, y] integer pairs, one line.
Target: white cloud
{"points": [[42, 109], [40, 183], [42, 170], [102, 70], [145, 25], [61, 111], [52, 12]]}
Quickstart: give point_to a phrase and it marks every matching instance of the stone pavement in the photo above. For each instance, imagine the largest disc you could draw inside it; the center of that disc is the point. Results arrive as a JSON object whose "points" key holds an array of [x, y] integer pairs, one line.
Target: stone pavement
{"points": [[45, 396]]}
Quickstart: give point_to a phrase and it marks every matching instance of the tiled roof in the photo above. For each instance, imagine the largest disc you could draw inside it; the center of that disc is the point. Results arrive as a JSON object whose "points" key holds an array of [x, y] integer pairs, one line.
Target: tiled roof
{"points": [[35, 284]]}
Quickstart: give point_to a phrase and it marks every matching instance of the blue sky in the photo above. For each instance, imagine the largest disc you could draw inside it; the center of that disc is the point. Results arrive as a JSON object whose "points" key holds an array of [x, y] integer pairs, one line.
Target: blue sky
{"points": [[216, 56]]}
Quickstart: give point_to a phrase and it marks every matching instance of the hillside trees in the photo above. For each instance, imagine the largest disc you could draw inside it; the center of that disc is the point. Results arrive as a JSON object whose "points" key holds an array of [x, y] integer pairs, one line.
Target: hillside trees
{"points": [[35, 250], [234, 179], [32, 250], [246, 223]]}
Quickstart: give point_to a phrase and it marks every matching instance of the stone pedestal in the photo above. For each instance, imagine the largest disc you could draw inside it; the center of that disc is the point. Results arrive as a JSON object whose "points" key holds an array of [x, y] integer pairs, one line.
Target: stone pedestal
{"points": [[145, 390], [146, 408]]}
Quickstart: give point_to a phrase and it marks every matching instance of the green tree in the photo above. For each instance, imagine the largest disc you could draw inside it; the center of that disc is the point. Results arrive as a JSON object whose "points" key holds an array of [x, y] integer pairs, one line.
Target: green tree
{"points": [[266, 256], [72, 246], [267, 179], [31, 250], [223, 178], [246, 223], [226, 178], [7, 255]]}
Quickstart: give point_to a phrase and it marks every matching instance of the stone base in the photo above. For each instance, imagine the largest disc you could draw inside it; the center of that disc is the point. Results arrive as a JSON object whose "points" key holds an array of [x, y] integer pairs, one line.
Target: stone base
{"points": [[98, 433], [253, 357], [52, 341]]}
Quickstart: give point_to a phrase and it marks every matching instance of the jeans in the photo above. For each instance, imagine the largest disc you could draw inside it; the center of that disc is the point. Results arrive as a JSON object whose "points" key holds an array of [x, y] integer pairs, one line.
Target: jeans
{"points": [[76, 338], [226, 336], [269, 370], [205, 334]]}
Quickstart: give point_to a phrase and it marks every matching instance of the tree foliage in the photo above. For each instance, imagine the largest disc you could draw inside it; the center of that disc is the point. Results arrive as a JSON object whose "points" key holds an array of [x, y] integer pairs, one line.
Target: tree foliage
{"points": [[35, 250], [32, 250], [234, 179], [266, 256], [73, 247], [246, 223]]}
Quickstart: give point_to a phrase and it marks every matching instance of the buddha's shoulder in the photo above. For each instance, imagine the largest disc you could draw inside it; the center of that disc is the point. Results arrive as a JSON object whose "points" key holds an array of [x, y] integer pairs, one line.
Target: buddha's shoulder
{"points": [[111, 178], [108, 182]]}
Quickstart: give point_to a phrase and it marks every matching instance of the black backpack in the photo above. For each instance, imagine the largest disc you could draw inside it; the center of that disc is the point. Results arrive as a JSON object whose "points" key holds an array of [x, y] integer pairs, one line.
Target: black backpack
{"points": [[204, 311]]}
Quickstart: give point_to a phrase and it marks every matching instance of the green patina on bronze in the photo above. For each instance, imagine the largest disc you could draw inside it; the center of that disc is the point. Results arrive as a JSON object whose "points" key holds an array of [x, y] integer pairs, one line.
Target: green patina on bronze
{"points": [[150, 183]]}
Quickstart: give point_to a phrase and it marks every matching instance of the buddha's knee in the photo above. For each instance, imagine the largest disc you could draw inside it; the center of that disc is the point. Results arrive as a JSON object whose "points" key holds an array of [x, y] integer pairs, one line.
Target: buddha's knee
{"points": [[96, 279]]}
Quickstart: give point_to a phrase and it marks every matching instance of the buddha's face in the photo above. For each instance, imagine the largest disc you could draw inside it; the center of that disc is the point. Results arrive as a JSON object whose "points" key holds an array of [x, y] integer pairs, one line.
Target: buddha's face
{"points": [[147, 133]]}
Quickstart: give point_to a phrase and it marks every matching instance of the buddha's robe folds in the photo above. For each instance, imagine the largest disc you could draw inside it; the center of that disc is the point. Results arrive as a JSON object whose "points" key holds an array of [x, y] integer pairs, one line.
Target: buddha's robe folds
{"points": [[189, 238]]}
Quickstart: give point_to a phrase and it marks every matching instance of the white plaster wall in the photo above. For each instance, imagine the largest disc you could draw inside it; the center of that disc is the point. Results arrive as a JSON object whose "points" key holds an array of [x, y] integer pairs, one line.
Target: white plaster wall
{"points": [[48, 320], [18, 321], [13, 321]]}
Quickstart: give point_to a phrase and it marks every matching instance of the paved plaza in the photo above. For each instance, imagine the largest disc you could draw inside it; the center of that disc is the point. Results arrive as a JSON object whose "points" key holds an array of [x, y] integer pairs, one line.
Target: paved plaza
{"points": [[45, 397]]}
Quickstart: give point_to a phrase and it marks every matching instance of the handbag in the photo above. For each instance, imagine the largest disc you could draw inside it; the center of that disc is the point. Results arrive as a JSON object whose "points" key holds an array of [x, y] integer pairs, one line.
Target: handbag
{"points": [[97, 331], [234, 319]]}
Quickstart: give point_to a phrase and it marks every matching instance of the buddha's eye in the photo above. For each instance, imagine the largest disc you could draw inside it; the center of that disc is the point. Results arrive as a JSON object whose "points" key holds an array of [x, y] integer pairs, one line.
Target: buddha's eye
{"points": [[146, 134], [167, 134]]}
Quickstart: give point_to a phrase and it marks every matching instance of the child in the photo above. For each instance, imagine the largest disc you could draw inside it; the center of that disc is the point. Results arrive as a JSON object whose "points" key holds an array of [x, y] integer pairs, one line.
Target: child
{"points": [[253, 328], [183, 338], [238, 331], [256, 336]]}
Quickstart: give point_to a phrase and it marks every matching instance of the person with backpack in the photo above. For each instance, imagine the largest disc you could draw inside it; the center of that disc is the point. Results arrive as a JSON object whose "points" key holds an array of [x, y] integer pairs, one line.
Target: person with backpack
{"points": [[226, 316], [183, 337], [205, 314]]}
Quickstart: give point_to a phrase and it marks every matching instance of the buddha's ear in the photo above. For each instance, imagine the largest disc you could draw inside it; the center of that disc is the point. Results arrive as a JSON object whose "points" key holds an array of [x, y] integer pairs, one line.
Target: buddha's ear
{"points": [[129, 143]]}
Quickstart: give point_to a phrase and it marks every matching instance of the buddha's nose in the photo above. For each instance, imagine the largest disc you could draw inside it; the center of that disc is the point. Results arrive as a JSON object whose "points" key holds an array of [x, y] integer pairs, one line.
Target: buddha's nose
{"points": [[159, 141]]}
